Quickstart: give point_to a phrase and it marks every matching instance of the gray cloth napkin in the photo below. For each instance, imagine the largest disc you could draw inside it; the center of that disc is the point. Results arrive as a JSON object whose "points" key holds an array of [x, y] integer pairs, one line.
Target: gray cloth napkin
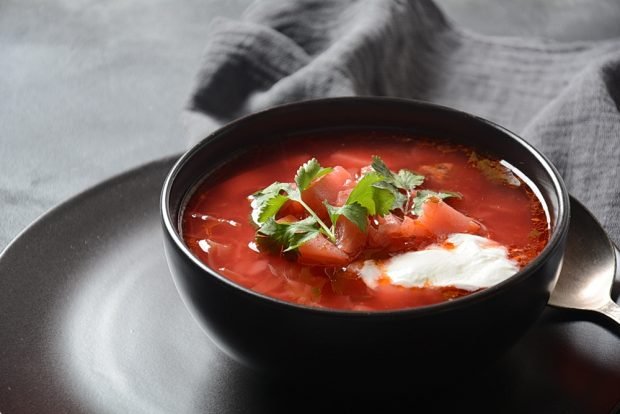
{"points": [[562, 98]]}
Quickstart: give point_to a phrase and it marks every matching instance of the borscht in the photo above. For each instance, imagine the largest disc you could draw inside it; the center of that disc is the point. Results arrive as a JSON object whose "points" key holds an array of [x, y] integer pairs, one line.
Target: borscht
{"points": [[365, 220]]}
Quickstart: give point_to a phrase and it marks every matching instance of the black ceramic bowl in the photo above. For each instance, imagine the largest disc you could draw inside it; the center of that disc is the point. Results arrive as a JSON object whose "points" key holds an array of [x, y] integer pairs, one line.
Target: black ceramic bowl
{"points": [[426, 344]]}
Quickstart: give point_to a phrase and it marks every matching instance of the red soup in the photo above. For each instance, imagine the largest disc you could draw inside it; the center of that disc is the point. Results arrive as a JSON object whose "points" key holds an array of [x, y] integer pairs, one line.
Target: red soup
{"points": [[352, 220]]}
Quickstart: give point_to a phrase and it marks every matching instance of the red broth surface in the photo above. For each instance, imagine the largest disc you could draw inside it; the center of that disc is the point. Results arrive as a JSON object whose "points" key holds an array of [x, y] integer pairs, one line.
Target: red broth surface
{"points": [[217, 228]]}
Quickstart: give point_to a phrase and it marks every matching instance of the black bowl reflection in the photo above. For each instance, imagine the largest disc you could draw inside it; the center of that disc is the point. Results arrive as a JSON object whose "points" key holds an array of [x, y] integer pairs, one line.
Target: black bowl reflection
{"points": [[427, 344]]}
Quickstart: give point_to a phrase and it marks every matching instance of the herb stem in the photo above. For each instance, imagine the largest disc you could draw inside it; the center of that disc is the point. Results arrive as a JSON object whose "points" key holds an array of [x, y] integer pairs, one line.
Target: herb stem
{"points": [[408, 205], [328, 232]]}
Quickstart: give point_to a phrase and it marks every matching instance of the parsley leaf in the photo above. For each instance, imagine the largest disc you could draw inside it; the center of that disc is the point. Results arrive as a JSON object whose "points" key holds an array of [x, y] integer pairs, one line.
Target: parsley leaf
{"points": [[404, 180], [400, 199], [309, 171], [290, 235], [270, 191], [300, 238], [379, 166], [268, 201], [408, 180], [271, 207], [401, 184], [355, 212], [375, 199], [423, 196]]}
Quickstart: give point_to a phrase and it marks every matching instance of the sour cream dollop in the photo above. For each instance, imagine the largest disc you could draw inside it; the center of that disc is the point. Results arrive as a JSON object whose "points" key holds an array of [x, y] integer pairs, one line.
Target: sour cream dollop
{"points": [[464, 261]]}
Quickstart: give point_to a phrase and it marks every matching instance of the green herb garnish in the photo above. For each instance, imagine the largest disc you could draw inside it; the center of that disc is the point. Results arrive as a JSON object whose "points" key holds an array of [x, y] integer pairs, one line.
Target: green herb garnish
{"points": [[401, 184], [375, 199], [291, 235], [355, 212], [267, 202], [378, 192], [309, 172], [404, 179]]}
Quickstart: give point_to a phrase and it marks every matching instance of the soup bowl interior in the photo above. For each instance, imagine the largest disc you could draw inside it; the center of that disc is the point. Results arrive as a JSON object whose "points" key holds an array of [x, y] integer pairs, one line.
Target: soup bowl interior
{"points": [[427, 344]]}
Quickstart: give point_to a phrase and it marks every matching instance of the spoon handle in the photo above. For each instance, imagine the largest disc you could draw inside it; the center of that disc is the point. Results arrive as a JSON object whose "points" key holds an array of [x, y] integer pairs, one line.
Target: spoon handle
{"points": [[611, 310]]}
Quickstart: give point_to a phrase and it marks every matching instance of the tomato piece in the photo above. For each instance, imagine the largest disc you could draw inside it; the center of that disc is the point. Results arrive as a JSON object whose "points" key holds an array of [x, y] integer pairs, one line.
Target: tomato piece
{"points": [[350, 285], [380, 234], [442, 219], [394, 234], [413, 228], [287, 219], [343, 196], [320, 251], [327, 189], [293, 209], [351, 239]]}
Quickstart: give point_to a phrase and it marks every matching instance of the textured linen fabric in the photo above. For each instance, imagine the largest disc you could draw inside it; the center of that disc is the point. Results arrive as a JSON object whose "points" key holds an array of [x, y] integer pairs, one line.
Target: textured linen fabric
{"points": [[564, 98]]}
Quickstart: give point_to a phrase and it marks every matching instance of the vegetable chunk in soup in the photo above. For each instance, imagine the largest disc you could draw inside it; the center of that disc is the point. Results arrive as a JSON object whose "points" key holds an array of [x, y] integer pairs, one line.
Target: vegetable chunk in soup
{"points": [[365, 221]]}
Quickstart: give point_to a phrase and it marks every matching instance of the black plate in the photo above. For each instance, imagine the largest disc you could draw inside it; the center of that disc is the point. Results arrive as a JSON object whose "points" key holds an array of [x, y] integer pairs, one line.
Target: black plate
{"points": [[91, 322]]}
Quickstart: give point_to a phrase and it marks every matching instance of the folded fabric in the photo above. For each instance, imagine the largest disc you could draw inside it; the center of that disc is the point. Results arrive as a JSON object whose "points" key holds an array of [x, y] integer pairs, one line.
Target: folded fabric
{"points": [[564, 98]]}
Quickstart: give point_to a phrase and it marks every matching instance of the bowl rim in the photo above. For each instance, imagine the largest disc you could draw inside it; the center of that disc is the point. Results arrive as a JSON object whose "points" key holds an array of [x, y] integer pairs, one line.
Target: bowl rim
{"points": [[560, 230]]}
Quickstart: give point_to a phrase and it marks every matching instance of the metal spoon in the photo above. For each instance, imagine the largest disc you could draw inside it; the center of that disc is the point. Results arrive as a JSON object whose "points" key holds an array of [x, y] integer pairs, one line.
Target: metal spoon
{"points": [[589, 268]]}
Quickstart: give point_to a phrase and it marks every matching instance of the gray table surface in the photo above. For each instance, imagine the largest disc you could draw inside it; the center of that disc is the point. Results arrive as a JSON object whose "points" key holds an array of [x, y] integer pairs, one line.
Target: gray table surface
{"points": [[89, 89]]}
